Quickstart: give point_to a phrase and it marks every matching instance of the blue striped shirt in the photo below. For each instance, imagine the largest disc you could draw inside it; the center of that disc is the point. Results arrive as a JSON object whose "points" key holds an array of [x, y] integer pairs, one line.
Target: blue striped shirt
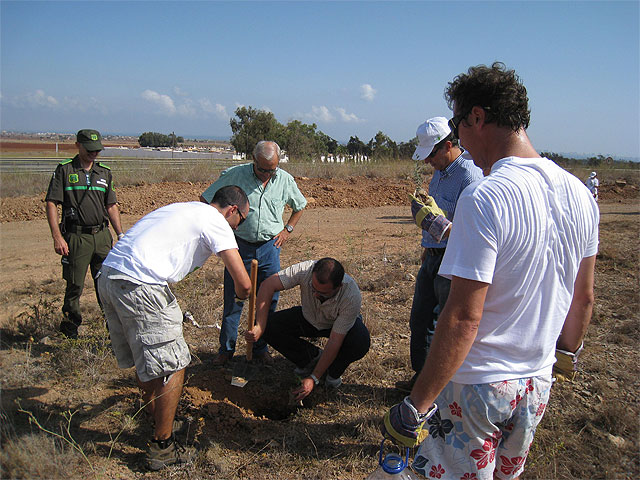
{"points": [[445, 188]]}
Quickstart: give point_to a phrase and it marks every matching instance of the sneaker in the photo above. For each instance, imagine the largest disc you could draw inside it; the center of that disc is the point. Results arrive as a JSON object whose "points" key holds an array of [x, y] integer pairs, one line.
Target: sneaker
{"points": [[406, 386], [308, 368], [174, 453], [69, 329], [222, 359], [331, 382], [264, 358]]}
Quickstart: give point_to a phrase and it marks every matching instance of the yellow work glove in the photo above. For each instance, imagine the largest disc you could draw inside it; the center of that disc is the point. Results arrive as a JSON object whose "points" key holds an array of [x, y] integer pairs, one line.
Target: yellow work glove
{"points": [[566, 365], [404, 425], [428, 216]]}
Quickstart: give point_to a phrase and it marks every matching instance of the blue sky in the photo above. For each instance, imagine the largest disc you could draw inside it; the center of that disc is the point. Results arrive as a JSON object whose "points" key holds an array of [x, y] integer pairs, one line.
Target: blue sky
{"points": [[353, 68]]}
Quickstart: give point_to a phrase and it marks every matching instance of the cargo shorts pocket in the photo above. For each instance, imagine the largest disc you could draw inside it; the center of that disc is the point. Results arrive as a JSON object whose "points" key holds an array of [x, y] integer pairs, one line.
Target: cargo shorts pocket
{"points": [[164, 353]]}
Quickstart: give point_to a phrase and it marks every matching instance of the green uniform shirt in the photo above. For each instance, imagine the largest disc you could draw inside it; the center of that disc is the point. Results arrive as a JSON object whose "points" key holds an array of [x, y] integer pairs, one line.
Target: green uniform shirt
{"points": [[267, 203], [88, 192]]}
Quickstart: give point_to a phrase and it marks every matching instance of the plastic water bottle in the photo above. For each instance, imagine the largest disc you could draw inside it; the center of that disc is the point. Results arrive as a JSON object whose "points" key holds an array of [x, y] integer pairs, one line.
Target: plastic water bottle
{"points": [[392, 466]]}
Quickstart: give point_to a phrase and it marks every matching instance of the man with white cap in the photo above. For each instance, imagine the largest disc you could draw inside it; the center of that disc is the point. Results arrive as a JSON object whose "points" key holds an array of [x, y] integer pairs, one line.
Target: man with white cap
{"points": [[439, 148], [592, 184]]}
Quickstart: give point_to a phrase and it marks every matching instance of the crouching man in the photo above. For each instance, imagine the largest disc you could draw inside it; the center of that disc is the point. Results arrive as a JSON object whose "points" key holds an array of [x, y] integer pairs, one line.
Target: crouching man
{"points": [[145, 321], [330, 308]]}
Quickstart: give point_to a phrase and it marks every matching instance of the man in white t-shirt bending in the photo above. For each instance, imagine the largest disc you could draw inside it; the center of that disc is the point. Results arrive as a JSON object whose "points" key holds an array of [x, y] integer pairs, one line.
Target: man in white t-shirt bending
{"points": [[145, 321], [521, 260]]}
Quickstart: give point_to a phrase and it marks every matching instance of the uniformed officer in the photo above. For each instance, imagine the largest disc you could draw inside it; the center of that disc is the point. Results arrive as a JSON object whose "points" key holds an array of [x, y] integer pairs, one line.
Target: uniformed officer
{"points": [[84, 187]]}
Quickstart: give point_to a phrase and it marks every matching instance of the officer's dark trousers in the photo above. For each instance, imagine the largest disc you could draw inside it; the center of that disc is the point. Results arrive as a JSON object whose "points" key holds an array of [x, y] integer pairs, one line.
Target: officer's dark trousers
{"points": [[85, 250], [285, 327]]}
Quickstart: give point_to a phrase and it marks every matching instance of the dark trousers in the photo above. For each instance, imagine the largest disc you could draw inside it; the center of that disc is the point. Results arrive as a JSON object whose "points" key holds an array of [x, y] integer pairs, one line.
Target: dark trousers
{"points": [[431, 291], [85, 250], [286, 327], [268, 257]]}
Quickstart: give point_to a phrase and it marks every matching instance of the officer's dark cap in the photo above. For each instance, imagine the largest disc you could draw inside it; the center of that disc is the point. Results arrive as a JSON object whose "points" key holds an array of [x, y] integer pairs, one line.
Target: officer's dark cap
{"points": [[90, 139]]}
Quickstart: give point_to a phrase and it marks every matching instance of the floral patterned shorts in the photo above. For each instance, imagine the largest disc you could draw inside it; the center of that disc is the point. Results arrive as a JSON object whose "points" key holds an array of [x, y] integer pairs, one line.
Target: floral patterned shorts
{"points": [[482, 430]]}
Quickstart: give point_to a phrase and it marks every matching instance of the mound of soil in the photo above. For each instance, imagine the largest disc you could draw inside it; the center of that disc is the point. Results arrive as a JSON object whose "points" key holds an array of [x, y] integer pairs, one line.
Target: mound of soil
{"points": [[353, 192]]}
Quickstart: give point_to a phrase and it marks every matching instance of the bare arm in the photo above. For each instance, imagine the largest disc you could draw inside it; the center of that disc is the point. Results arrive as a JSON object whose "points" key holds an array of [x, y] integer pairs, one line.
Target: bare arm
{"points": [[235, 266], [59, 243], [455, 333], [114, 217], [283, 236], [270, 286], [579, 316]]}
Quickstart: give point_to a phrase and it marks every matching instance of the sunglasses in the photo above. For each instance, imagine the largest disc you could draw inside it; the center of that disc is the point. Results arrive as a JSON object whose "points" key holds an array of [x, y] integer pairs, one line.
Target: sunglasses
{"points": [[454, 123], [269, 171], [242, 217]]}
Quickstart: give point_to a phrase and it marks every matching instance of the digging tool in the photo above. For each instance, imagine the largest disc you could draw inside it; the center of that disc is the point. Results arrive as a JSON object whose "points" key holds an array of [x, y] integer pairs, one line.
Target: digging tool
{"points": [[243, 371]]}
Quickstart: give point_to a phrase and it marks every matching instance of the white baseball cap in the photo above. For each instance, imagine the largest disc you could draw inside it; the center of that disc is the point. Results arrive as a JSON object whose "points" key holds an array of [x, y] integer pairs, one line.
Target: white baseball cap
{"points": [[593, 174], [429, 134]]}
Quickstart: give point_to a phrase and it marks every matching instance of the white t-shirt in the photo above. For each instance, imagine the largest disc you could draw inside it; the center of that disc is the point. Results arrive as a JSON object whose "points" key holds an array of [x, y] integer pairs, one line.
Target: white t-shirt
{"points": [[167, 244], [524, 229]]}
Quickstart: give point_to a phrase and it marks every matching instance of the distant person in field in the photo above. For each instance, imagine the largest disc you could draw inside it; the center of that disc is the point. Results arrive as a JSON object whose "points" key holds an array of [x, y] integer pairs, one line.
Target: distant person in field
{"points": [[521, 259], [433, 212], [330, 307], [145, 320], [84, 188], [592, 184], [269, 189]]}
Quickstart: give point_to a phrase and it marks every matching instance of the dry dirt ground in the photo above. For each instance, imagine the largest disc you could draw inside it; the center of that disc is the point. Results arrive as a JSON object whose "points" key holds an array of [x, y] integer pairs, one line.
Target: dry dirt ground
{"points": [[74, 389]]}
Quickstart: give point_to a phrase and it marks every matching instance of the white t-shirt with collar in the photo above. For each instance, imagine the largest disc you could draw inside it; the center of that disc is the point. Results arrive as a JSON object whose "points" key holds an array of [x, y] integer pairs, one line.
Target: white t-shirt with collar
{"points": [[338, 313], [524, 229]]}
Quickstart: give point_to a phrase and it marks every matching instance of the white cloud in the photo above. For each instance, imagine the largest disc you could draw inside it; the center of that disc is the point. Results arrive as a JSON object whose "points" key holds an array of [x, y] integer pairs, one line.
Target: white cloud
{"points": [[321, 114], [164, 102], [187, 109], [41, 99], [217, 109], [180, 92], [367, 92], [348, 117]]}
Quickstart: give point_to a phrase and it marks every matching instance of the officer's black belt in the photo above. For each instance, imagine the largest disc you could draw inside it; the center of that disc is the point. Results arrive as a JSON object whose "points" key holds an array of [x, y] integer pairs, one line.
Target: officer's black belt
{"points": [[434, 252], [252, 244], [92, 229]]}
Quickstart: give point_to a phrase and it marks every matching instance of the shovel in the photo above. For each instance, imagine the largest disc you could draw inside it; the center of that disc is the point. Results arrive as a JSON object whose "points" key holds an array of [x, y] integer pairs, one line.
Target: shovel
{"points": [[244, 370]]}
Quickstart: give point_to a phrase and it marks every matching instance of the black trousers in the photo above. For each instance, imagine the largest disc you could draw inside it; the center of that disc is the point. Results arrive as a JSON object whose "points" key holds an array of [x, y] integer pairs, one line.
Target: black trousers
{"points": [[286, 327]]}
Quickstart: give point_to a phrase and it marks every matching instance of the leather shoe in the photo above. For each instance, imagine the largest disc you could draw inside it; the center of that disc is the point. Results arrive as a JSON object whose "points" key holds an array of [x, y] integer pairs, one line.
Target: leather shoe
{"points": [[264, 358], [222, 359]]}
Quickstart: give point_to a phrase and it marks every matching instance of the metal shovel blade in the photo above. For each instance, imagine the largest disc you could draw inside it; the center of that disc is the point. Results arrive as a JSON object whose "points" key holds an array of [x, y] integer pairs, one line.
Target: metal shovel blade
{"points": [[242, 373]]}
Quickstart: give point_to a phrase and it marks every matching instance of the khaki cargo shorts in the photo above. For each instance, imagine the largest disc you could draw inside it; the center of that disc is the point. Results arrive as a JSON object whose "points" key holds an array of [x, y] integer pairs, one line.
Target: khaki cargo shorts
{"points": [[145, 325]]}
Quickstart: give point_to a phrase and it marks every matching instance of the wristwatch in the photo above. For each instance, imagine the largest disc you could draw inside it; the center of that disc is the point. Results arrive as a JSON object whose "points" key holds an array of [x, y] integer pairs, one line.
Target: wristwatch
{"points": [[288, 228], [314, 378]]}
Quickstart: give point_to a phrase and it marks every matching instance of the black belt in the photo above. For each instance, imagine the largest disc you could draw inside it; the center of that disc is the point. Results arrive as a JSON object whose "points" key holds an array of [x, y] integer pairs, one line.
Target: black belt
{"points": [[92, 229], [434, 252], [252, 244]]}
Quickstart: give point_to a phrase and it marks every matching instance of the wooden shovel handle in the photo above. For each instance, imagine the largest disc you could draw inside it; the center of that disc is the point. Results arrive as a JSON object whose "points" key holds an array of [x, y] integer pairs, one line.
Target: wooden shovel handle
{"points": [[251, 318]]}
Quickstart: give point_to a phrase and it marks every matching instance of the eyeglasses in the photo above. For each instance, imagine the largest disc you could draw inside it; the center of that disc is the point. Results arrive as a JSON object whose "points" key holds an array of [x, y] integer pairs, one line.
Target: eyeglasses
{"points": [[242, 217], [454, 123], [269, 171]]}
